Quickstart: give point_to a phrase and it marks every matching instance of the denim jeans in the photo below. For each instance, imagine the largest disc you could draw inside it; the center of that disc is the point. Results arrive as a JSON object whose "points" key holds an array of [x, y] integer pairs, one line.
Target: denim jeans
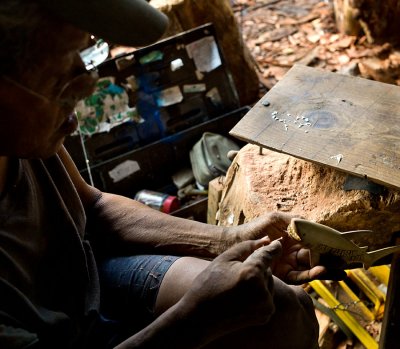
{"points": [[129, 289]]}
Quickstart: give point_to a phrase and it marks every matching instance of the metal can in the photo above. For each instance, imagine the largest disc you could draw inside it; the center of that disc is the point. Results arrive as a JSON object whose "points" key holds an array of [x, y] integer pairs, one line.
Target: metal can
{"points": [[160, 201]]}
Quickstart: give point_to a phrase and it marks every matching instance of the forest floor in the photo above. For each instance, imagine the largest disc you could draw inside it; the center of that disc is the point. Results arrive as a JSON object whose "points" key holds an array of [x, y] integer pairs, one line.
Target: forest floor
{"points": [[281, 33]]}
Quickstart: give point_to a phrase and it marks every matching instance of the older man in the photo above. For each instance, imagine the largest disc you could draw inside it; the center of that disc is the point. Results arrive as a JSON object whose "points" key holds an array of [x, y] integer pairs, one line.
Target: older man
{"points": [[158, 287]]}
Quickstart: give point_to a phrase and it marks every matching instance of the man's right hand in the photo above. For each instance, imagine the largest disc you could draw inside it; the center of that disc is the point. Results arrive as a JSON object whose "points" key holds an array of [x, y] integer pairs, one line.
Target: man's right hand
{"points": [[236, 289]]}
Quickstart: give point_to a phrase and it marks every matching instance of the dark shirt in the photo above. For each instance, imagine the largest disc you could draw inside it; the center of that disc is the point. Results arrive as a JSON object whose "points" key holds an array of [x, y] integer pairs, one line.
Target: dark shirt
{"points": [[49, 291]]}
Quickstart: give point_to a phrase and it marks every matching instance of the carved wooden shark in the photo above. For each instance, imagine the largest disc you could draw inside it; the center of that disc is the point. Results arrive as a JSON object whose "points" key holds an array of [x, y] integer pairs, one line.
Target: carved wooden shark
{"points": [[323, 240]]}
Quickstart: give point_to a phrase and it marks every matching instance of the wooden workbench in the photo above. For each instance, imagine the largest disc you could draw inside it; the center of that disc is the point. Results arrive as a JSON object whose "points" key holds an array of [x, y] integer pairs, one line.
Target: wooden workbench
{"points": [[348, 123]]}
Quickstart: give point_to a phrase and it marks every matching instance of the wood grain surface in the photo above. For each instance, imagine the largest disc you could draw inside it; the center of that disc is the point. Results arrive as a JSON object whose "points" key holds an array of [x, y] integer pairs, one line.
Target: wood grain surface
{"points": [[348, 123]]}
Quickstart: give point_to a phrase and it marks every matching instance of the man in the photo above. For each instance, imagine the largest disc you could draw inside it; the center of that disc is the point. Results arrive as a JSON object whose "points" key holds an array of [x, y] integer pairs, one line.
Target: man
{"points": [[150, 297]]}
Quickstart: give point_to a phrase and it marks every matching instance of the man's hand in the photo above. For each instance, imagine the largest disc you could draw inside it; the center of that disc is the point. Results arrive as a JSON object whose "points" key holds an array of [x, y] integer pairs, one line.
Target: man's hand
{"points": [[236, 289], [294, 264]]}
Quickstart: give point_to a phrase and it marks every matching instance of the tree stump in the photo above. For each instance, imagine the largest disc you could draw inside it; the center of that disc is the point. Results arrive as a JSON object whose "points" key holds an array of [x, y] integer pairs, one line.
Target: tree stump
{"points": [[259, 183], [188, 14], [376, 19]]}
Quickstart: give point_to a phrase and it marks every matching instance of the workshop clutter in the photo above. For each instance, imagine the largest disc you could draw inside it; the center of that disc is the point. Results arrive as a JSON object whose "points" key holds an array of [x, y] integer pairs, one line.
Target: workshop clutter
{"points": [[159, 201], [355, 305], [153, 165], [209, 157], [149, 109]]}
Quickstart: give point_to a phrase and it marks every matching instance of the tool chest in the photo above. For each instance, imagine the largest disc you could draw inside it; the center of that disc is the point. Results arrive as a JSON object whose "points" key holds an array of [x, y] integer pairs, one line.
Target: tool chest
{"points": [[164, 97]]}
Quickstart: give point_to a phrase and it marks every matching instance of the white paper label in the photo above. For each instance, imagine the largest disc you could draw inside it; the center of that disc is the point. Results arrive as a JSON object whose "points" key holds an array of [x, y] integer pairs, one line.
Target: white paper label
{"points": [[176, 64], [170, 96], [193, 88], [123, 170], [204, 53]]}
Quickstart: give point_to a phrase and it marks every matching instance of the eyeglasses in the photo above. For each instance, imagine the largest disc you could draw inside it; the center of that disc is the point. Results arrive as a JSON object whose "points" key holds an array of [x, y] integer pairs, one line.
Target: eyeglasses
{"points": [[72, 91]]}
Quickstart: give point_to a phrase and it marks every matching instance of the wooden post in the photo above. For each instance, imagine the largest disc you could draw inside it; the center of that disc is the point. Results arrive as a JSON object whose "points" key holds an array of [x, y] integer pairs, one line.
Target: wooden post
{"points": [[346, 17], [376, 19], [389, 338], [214, 196]]}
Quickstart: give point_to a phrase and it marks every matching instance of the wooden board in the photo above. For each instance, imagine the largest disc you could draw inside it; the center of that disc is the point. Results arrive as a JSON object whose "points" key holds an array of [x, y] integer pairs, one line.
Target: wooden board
{"points": [[348, 123], [215, 188]]}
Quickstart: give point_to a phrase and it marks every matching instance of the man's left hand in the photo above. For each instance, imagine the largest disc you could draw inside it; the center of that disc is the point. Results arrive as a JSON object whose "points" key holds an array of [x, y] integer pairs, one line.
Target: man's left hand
{"points": [[294, 264]]}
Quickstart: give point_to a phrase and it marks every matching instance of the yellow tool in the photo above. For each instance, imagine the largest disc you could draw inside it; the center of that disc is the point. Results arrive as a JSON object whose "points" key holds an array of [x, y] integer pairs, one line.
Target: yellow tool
{"points": [[375, 295], [349, 320], [368, 315], [381, 272]]}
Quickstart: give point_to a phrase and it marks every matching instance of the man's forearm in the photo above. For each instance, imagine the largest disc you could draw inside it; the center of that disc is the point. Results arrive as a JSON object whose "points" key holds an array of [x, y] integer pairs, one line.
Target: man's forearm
{"points": [[117, 219]]}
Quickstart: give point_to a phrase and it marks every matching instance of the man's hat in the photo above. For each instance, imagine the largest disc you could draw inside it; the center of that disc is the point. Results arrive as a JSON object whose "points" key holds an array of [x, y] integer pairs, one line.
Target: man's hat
{"points": [[125, 22]]}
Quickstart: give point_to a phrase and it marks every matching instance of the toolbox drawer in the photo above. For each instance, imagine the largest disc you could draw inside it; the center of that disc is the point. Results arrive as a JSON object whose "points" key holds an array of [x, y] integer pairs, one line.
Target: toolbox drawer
{"points": [[152, 166]]}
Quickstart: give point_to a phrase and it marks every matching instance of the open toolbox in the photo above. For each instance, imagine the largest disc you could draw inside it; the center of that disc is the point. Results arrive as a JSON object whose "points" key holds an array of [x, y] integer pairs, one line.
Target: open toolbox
{"points": [[152, 93], [149, 109]]}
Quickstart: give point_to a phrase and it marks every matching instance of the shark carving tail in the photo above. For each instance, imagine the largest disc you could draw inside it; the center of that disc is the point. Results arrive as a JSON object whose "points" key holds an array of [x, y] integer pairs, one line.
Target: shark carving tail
{"points": [[373, 256]]}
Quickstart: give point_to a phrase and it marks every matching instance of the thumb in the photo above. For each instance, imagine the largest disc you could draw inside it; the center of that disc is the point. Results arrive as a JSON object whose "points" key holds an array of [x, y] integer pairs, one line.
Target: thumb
{"points": [[241, 251], [266, 254]]}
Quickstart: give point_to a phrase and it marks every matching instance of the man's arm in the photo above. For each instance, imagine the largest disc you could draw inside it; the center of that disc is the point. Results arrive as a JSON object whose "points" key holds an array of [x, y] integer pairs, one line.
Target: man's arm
{"points": [[125, 224], [128, 224]]}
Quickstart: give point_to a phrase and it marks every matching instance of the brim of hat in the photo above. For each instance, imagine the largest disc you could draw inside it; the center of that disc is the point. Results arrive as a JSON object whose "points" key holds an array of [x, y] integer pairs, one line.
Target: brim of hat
{"points": [[125, 22]]}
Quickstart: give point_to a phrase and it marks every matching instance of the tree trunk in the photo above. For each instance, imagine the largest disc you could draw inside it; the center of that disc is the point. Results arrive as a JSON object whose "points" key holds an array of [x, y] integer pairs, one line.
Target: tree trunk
{"points": [[376, 19]]}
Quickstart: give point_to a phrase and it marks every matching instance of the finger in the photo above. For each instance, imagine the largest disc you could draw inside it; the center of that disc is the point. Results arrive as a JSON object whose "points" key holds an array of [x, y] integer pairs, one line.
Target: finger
{"points": [[241, 251], [266, 254], [303, 257], [274, 248], [297, 277], [319, 272], [281, 220]]}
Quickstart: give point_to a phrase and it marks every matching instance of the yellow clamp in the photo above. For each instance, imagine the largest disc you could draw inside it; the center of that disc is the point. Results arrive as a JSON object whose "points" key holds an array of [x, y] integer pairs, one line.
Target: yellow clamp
{"points": [[382, 273], [368, 315], [359, 331], [376, 296]]}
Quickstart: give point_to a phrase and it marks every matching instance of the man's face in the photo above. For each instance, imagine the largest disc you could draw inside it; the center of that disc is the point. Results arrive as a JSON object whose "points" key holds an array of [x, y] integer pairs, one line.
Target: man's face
{"points": [[35, 124]]}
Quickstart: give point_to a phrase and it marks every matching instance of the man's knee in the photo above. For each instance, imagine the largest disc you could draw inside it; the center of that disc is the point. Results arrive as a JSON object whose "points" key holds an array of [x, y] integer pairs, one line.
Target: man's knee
{"points": [[295, 311]]}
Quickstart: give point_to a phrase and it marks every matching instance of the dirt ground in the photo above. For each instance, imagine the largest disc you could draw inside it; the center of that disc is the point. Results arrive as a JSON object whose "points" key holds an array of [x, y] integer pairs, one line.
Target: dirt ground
{"points": [[280, 33]]}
